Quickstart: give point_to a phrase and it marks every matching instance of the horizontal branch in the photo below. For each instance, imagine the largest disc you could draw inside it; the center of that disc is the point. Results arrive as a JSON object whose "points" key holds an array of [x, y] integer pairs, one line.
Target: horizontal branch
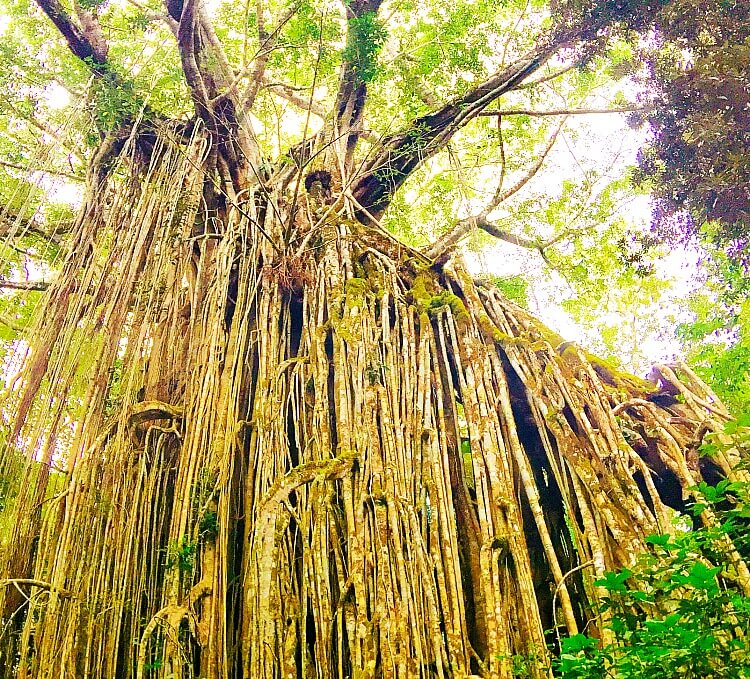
{"points": [[469, 224], [14, 226], [54, 173], [288, 93], [41, 584], [24, 285], [563, 111]]}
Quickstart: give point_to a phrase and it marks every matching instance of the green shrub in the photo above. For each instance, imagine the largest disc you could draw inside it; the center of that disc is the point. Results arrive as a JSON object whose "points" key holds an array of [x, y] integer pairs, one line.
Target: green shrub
{"points": [[680, 611]]}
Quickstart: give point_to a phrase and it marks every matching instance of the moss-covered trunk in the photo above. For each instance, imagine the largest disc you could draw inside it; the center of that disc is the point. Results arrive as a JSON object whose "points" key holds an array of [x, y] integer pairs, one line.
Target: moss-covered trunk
{"points": [[330, 458]]}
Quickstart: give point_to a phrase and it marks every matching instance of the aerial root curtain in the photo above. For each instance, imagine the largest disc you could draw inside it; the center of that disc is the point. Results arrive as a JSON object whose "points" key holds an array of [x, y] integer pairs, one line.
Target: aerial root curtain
{"points": [[329, 459]]}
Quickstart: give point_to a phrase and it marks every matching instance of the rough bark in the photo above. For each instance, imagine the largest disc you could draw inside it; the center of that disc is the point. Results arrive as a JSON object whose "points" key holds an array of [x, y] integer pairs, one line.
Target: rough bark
{"points": [[326, 463]]}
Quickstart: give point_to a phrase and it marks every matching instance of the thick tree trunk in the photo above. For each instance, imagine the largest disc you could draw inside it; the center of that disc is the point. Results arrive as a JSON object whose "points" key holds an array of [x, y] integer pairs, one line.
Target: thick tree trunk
{"points": [[327, 459]]}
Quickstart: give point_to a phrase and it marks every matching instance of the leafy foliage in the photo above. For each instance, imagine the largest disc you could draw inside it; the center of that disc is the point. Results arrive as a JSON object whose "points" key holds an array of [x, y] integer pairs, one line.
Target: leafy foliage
{"points": [[515, 288], [181, 555], [131, 321], [678, 613], [367, 35], [91, 4], [717, 339]]}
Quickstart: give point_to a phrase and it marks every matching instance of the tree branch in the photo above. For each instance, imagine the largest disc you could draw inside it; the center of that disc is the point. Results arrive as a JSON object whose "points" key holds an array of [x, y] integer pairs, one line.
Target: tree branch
{"points": [[54, 173], [92, 30], [352, 93], [92, 52], [209, 37], [23, 285], [195, 37], [466, 226], [289, 94], [268, 42], [405, 151], [186, 43], [449, 239], [548, 77], [210, 76], [13, 225], [501, 196], [156, 16], [565, 112], [41, 584], [503, 163], [33, 120], [174, 9], [8, 322]]}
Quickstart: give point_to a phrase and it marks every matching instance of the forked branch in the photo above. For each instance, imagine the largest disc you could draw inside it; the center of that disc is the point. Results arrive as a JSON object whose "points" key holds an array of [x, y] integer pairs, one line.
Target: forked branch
{"points": [[268, 42], [40, 584], [402, 153], [449, 239], [352, 93], [290, 94]]}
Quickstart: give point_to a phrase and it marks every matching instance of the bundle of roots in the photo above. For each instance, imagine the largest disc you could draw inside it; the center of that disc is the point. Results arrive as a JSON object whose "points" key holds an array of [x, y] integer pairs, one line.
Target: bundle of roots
{"points": [[230, 458]]}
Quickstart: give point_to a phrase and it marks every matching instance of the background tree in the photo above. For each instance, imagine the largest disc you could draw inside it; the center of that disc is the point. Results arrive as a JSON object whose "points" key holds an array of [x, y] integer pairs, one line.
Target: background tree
{"points": [[252, 433], [696, 87], [697, 66]]}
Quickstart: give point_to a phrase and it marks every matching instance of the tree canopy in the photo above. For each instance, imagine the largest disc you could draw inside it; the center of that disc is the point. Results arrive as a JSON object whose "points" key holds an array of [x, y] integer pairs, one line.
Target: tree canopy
{"points": [[286, 64]]}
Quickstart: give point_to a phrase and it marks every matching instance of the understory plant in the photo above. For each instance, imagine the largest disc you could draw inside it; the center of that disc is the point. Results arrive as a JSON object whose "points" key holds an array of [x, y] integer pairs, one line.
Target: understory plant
{"points": [[683, 609]]}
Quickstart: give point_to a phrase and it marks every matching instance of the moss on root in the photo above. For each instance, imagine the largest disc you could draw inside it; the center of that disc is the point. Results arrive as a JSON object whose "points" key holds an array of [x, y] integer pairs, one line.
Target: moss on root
{"points": [[355, 292], [429, 299]]}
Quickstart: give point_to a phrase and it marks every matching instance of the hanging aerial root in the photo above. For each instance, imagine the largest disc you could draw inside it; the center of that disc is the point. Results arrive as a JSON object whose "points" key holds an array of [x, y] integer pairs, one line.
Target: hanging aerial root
{"points": [[236, 468]]}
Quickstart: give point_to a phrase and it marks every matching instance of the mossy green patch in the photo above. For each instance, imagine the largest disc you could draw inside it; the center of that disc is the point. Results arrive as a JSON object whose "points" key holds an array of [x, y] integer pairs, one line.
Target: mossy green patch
{"points": [[453, 302], [368, 271], [611, 374], [344, 309], [422, 290], [355, 291], [492, 333], [555, 339]]}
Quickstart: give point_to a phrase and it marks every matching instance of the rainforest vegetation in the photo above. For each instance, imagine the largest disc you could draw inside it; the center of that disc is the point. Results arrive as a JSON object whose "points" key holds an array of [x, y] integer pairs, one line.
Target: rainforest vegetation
{"points": [[281, 396]]}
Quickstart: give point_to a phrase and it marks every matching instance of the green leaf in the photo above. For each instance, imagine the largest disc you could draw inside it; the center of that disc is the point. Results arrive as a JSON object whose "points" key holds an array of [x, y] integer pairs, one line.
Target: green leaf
{"points": [[578, 643], [615, 582], [702, 576]]}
